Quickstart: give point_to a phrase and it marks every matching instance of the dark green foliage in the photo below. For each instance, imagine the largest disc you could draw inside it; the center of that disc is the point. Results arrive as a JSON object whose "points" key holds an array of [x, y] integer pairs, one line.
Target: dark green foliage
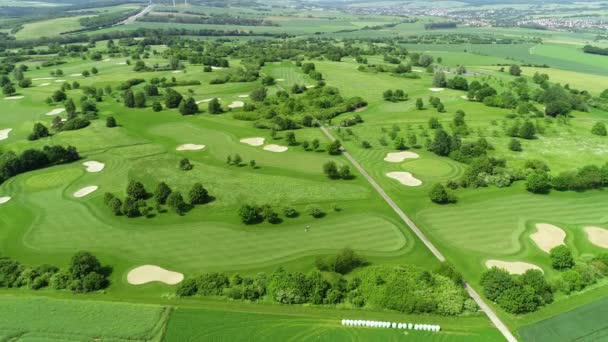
{"points": [[139, 100], [110, 122], [156, 106], [185, 164], [258, 95], [334, 147], [175, 201], [75, 123], [442, 144], [129, 99], [250, 214], [515, 145], [172, 98], [39, 131], [599, 128], [438, 194], [70, 108], [188, 107], [527, 130], [538, 182], [136, 190], [561, 258], [331, 170], [161, 193], [515, 70], [214, 107], [12, 164], [58, 96], [198, 194], [345, 261], [131, 207], [83, 263]]}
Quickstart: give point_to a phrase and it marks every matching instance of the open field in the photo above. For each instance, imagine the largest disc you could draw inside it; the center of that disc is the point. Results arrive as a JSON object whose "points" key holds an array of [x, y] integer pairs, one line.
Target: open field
{"points": [[49, 28]]}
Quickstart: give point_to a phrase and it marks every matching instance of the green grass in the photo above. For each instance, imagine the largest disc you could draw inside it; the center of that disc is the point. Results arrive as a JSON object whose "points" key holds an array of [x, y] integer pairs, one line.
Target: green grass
{"points": [[49, 28], [585, 323], [39, 318]]}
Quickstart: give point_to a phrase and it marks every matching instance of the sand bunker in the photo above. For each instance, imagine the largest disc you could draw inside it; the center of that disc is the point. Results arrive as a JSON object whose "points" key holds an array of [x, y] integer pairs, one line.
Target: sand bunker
{"points": [[56, 111], [13, 97], [206, 100], [85, 191], [464, 97], [121, 63], [149, 273], [548, 236], [244, 96], [4, 133], [59, 81], [216, 68], [190, 147], [405, 178], [177, 71], [309, 86], [75, 75], [598, 236], [236, 104], [107, 59], [436, 89], [42, 78], [94, 166], [398, 157], [513, 267], [4, 199], [43, 84], [275, 148], [257, 141], [280, 79]]}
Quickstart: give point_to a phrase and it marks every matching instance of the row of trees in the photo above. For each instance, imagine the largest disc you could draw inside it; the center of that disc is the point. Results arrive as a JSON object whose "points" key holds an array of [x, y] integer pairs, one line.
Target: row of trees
{"points": [[254, 214], [12, 164], [84, 274], [586, 178]]}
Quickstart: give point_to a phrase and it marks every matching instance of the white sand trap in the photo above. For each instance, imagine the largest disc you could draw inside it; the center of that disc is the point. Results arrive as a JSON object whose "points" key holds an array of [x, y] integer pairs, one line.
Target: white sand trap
{"points": [[548, 236], [275, 148], [216, 68], [107, 59], [42, 78], [43, 85], [309, 86], [56, 111], [190, 147], [149, 273], [76, 75], [513, 267], [398, 157], [94, 166], [436, 89], [121, 63], [4, 199], [236, 104], [86, 191], [405, 178], [206, 100], [257, 141], [4, 133], [280, 80], [598, 236], [177, 71], [244, 96], [414, 70], [464, 97], [59, 81], [13, 97]]}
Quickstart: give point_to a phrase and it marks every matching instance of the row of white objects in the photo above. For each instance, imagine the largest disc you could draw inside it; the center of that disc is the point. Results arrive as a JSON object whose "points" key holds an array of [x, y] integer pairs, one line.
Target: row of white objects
{"points": [[378, 324]]}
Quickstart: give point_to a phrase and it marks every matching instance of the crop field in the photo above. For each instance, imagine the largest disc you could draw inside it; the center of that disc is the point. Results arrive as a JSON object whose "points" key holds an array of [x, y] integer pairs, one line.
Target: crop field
{"points": [[49, 28]]}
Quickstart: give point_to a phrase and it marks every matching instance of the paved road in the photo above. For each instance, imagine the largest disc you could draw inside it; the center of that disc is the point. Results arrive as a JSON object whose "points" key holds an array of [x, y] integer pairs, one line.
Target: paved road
{"points": [[482, 305], [132, 18]]}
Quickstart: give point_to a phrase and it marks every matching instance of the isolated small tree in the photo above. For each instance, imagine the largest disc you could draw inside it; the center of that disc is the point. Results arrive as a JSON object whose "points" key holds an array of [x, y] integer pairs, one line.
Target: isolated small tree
{"points": [[515, 145], [198, 194], [176, 202], [291, 138], [268, 213], [110, 122], [237, 160], [139, 100], [334, 147], [58, 96], [440, 195], [599, 128], [250, 214], [129, 99], [252, 163], [331, 170], [25, 83], [315, 144], [439, 79], [527, 130], [305, 145], [136, 190], [214, 107], [315, 211], [434, 123], [419, 104], [515, 70], [39, 131], [345, 172], [172, 98], [188, 107], [8, 89], [156, 106], [561, 258], [185, 164], [86, 73], [161, 193]]}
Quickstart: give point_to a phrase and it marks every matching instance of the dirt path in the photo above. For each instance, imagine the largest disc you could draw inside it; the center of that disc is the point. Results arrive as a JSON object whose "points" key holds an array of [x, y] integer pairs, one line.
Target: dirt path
{"points": [[482, 305]]}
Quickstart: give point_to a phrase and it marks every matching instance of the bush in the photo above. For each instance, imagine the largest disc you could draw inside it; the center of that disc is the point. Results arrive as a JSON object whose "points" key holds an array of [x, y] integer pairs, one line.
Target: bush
{"points": [[110, 122], [440, 195], [250, 214], [75, 123], [198, 194], [599, 128], [538, 182], [515, 145], [176, 202], [161, 193], [315, 211], [136, 190], [561, 258]]}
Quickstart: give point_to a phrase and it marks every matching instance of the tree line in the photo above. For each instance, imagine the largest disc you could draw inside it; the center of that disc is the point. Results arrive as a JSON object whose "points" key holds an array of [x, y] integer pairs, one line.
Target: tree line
{"points": [[12, 164]]}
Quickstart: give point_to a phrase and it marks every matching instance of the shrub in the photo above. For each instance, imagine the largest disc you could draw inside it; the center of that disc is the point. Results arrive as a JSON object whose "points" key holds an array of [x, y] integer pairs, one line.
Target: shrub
{"points": [[198, 194], [599, 128], [561, 258], [176, 202], [440, 195]]}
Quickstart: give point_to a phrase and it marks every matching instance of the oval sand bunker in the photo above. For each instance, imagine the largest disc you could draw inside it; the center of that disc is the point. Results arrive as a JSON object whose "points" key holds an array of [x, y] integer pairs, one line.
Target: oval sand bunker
{"points": [[398, 157], [13, 97], [597, 236], [513, 267], [4, 199], [149, 273], [85, 191], [4, 133], [236, 104], [275, 148], [548, 236], [94, 166], [405, 178], [257, 141], [190, 147], [55, 111], [436, 89]]}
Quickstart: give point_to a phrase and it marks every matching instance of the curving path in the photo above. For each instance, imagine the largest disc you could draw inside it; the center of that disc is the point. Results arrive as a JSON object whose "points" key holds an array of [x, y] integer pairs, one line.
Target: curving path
{"points": [[482, 305]]}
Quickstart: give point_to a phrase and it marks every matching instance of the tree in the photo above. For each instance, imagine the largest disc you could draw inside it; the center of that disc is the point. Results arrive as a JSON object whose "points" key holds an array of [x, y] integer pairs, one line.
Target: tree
{"points": [[334, 147], [86, 73], [331, 170], [419, 104], [315, 211], [599, 128], [252, 163], [188, 107], [250, 214], [70, 108], [515, 70], [518, 300], [440, 195], [268, 81], [214, 107], [83, 263], [156, 106], [136, 190], [345, 172], [258, 95], [515, 145], [94, 71], [8, 89], [268, 214], [110, 122], [129, 99], [161, 193], [185, 164], [172, 98], [315, 144], [439, 79], [39, 131], [441, 144], [291, 138], [425, 60], [198, 194], [527, 130], [58, 96], [434, 123], [25, 83], [561, 258], [115, 205], [555, 108], [538, 182], [130, 207], [139, 100], [495, 281], [176, 202], [237, 160]]}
